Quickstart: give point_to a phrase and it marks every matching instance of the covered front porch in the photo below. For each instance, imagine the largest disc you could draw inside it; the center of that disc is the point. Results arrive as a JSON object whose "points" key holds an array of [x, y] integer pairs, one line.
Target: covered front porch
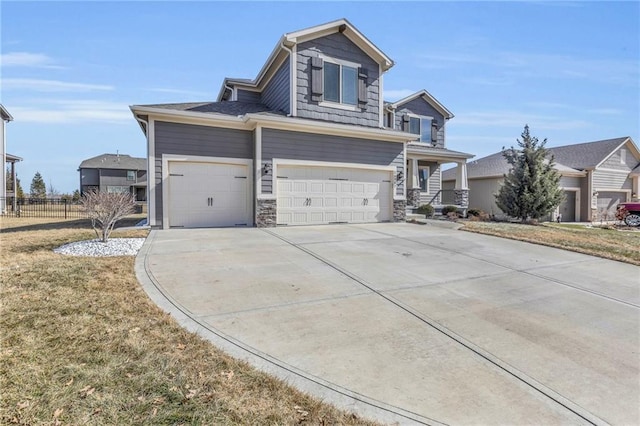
{"points": [[424, 177]]}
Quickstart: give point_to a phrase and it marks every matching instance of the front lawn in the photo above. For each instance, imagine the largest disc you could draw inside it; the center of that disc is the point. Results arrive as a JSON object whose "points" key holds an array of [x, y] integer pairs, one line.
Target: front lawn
{"points": [[622, 245], [81, 343]]}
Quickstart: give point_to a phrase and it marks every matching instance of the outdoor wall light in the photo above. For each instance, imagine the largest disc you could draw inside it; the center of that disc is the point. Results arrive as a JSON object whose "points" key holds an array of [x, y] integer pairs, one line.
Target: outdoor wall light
{"points": [[266, 168], [595, 194], [399, 177]]}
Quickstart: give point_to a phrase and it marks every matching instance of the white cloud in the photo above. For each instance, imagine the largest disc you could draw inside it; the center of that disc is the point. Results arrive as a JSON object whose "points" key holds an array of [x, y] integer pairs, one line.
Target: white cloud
{"points": [[516, 119], [26, 59], [50, 85], [507, 64], [72, 111]]}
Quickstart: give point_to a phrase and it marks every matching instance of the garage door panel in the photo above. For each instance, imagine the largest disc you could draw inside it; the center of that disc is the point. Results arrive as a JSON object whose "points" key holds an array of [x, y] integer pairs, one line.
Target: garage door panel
{"points": [[336, 194], [208, 194]]}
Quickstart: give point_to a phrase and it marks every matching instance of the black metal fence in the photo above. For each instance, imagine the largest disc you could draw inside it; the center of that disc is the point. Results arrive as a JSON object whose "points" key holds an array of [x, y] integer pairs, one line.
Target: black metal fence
{"points": [[42, 207]]}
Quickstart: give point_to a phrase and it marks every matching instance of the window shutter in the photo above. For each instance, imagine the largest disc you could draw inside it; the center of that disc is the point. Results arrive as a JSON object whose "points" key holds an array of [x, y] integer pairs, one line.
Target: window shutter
{"points": [[316, 78], [405, 123], [362, 86], [434, 132]]}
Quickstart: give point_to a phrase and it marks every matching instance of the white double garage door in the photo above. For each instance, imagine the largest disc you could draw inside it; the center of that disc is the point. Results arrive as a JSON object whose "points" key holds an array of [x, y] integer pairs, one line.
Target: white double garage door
{"points": [[216, 194]]}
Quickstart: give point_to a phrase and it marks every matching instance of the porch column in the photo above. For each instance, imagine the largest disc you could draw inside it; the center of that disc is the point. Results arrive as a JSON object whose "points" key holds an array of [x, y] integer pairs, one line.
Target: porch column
{"points": [[413, 184], [14, 185], [415, 179], [461, 176]]}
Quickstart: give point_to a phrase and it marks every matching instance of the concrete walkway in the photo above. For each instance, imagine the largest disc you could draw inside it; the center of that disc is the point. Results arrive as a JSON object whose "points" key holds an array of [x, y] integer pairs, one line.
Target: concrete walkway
{"points": [[413, 324]]}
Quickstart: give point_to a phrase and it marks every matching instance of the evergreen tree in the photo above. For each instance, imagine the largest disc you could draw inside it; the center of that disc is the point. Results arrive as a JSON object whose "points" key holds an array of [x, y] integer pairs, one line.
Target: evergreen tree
{"points": [[76, 196], [19, 193], [38, 188], [530, 189]]}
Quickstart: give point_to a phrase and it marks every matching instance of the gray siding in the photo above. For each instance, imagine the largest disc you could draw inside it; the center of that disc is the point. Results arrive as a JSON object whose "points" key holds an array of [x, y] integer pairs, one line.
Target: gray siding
{"points": [[570, 182], [419, 106], [188, 139], [615, 161], [307, 146], [339, 47], [276, 94], [113, 177], [604, 180], [248, 96], [481, 195]]}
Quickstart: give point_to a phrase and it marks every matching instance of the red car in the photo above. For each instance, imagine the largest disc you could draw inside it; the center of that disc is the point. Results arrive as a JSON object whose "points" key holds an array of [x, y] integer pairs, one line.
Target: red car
{"points": [[633, 218]]}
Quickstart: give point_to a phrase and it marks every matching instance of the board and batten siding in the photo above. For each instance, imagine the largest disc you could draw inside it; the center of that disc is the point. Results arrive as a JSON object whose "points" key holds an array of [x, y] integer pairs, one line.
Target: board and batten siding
{"points": [[605, 180], [282, 144], [276, 93], [189, 139], [248, 96], [421, 107], [339, 47]]}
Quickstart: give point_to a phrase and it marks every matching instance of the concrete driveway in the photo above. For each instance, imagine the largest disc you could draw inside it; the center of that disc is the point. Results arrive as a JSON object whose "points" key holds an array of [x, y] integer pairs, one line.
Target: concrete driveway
{"points": [[413, 324]]}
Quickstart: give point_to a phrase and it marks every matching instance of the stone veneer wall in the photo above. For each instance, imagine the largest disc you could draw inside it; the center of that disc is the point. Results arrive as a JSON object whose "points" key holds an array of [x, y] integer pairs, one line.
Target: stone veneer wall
{"points": [[413, 197], [399, 210], [266, 214], [461, 197]]}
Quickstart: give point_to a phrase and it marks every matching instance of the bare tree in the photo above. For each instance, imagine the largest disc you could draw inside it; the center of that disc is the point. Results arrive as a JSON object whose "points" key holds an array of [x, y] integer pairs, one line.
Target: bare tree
{"points": [[105, 209]]}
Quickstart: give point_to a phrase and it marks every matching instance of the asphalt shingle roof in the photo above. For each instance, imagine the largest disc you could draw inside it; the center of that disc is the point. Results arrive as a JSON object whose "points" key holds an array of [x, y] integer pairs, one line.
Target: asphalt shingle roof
{"points": [[568, 157], [234, 108], [115, 161]]}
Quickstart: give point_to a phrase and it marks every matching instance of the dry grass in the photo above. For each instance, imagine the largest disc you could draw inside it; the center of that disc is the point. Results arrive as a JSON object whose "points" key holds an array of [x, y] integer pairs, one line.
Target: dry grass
{"points": [[82, 343], [616, 244]]}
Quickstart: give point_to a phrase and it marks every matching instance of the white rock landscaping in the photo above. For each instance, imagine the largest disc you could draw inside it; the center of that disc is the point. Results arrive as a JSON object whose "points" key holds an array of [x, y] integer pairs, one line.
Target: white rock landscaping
{"points": [[96, 248]]}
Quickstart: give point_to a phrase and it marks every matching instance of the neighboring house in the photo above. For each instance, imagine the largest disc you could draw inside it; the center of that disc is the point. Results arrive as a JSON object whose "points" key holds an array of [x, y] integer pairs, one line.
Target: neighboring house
{"points": [[595, 177], [308, 141], [7, 195], [115, 173]]}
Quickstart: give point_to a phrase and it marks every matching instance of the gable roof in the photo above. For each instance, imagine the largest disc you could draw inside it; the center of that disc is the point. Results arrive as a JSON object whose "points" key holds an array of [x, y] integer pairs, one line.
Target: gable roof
{"points": [[4, 114], [586, 155], [114, 161], [10, 158], [428, 97], [569, 159], [288, 40], [348, 30]]}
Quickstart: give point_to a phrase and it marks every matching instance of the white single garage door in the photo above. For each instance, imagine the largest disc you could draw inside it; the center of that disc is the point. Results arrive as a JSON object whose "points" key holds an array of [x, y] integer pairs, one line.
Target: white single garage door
{"points": [[321, 195], [608, 201], [208, 195]]}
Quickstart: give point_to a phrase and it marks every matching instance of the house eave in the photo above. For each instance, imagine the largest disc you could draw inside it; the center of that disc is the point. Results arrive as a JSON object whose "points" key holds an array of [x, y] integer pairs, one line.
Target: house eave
{"points": [[5, 114], [428, 97]]}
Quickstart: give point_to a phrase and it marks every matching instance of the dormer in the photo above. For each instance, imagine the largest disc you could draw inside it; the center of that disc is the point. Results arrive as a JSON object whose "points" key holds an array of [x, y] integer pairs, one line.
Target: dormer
{"points": [[420, 114]]}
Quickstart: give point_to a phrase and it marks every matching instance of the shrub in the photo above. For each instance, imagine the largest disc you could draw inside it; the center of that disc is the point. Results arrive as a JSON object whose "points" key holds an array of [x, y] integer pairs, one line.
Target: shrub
{"points": [[449, 209], [426, 209], [453, 216], [474, 212], [105, 209]]}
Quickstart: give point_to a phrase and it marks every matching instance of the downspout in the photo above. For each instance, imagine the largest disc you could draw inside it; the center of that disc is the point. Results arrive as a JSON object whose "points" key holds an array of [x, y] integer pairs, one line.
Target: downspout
{"points": [[145, 124], [226, 86], [292, 73]]}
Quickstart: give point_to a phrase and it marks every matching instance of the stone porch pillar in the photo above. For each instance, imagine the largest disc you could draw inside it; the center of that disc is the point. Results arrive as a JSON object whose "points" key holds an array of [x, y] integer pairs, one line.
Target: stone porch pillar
{"points": [[413, 184]]}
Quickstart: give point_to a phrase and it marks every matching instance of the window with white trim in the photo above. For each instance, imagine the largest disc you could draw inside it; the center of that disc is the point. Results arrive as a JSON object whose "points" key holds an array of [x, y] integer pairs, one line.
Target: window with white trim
{"points": [[117, 189], [425, 127], [623, 156], [340, 83], [131, 175]]}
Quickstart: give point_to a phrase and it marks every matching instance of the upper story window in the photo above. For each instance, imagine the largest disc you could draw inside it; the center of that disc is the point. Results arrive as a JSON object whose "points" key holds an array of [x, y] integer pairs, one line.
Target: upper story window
{"points": [[423, 126], [340, 83], [337, 83], [623, 156], [131, 175]]}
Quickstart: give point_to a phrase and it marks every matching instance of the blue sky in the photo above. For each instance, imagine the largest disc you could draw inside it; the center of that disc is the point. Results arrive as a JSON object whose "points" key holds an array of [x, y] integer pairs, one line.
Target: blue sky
{"points": [[69, 70]]}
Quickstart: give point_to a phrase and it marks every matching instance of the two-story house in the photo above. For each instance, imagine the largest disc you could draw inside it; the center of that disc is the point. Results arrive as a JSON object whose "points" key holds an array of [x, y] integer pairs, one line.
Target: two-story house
{"points": [[308, 141], [8, 200], [115, 173]]}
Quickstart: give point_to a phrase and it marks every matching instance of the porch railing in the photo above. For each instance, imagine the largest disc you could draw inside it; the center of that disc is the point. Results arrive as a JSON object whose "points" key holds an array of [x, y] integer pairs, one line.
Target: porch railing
{"points": [[443, 197]]}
